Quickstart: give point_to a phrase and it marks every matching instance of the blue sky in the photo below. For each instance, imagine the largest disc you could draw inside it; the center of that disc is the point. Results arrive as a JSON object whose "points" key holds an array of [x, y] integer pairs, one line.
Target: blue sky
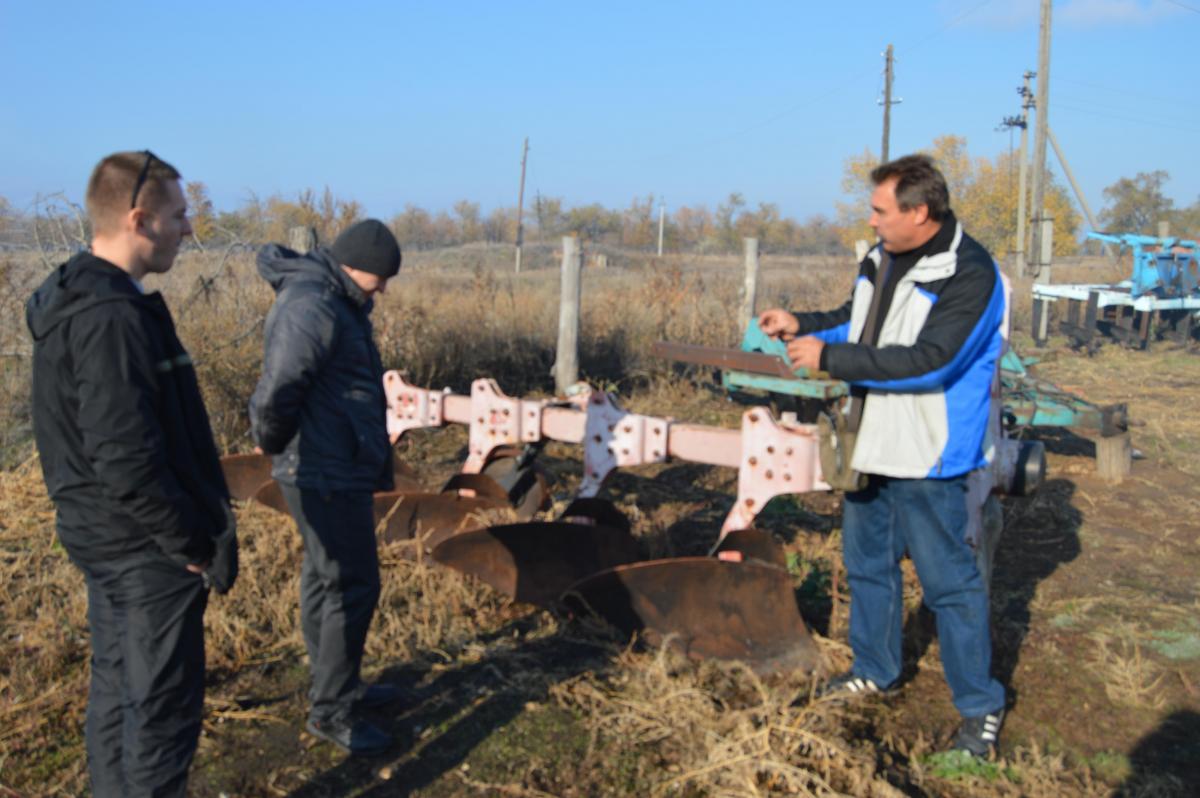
{"points": [[427, 103]]}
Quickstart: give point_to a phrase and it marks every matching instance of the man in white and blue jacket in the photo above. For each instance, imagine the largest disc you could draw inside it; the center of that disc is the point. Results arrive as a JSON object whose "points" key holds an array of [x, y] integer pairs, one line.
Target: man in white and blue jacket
{"points": [[918, 341]]}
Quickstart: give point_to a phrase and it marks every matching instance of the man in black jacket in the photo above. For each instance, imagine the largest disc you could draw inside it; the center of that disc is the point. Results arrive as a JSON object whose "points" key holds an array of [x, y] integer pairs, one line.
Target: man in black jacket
{"points": [[319, 408], [129, 460]]}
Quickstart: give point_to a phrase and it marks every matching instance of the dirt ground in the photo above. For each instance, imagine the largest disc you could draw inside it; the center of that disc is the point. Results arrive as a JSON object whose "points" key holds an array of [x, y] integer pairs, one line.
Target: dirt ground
{"points": [[1096, 630]]}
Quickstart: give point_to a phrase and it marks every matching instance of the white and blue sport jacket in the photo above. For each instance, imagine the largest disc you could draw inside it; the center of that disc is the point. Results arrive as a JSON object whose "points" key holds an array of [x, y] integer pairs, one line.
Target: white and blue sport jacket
{"points": [[929, 374]]}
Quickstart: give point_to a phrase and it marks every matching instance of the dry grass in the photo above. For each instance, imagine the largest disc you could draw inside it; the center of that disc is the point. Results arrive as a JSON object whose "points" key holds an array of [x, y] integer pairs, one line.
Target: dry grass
{"points": [[1129, 678], [690, 729]]}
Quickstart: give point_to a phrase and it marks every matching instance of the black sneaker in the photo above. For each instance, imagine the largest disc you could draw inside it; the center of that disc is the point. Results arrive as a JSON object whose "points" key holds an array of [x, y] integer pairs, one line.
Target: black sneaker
{"points": [[979, 736], [353, 736]]}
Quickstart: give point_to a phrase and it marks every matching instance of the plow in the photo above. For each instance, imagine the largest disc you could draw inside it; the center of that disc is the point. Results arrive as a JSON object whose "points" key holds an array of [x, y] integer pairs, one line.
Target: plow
{"points": [[736, 603]]}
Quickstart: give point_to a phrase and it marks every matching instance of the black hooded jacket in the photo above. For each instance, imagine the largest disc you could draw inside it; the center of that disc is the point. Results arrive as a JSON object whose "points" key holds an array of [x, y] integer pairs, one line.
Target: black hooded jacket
{"points": [[121, 429], [319, 405]]}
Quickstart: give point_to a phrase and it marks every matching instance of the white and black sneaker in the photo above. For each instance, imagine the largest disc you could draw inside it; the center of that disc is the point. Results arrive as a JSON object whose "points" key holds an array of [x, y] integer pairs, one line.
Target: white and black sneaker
{"points": [[848, 686], [979, 736]]}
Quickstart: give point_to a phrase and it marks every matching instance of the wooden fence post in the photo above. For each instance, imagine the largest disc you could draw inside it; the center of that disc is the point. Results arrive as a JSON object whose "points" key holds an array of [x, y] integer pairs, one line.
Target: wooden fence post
{"points": [[302, 239], [750, 286], [566, 357]]}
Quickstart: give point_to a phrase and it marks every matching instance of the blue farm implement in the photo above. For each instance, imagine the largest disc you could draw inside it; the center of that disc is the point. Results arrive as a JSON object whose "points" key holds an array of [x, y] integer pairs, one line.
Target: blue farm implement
{"points": [[1160, 298]]}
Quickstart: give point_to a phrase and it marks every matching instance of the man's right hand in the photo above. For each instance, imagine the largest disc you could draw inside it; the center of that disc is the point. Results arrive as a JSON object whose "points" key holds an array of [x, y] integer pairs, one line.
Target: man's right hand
{"points": [[778, 323]]}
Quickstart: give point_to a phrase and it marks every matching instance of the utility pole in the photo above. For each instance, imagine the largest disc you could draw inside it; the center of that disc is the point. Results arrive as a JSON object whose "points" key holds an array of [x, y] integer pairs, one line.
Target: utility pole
{"points": [[662, 211], [1023, 171], [1022, 122], [1087, 211], [521, 206], [1039, 144], [887, 103]]}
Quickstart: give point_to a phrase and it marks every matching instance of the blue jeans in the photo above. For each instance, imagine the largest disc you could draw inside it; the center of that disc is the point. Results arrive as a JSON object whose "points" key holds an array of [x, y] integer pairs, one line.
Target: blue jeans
{"points": [[928, 518]]}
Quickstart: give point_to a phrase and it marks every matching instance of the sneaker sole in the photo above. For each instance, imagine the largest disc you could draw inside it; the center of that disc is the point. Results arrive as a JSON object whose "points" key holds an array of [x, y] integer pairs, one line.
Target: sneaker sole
{"points": [[315, 732]]}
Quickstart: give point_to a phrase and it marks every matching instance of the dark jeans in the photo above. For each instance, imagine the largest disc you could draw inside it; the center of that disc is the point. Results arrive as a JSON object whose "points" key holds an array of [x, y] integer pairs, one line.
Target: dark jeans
{"points": [[928, 517], [146, 615], [339, 588]]}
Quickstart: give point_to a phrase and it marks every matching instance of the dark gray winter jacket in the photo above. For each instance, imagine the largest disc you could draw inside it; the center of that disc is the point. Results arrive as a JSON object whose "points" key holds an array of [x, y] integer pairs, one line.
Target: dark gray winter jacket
{"points": [[319, 406], [125, 444]]}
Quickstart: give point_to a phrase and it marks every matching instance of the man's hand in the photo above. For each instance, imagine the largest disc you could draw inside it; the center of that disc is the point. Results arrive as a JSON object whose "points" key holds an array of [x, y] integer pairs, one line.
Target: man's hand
{"points": [[806, 352], [778, 323], [198, 568]]}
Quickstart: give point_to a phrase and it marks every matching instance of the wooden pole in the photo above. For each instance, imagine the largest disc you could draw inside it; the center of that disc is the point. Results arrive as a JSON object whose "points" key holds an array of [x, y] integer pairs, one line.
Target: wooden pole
{"points": [[1026, 104], [1087, 211], [302, 239], [521, 206], [1039, 140], [566, 358], [750, 285], [662, 212]]}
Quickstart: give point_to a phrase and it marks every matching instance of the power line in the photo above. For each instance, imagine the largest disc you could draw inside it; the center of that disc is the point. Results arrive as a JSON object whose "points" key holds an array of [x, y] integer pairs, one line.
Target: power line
{"points": [[1150, 122]]}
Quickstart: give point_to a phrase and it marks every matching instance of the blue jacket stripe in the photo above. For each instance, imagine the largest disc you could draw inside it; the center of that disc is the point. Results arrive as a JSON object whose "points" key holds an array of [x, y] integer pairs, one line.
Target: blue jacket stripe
{"points": [[834, 335], [985, 329]]}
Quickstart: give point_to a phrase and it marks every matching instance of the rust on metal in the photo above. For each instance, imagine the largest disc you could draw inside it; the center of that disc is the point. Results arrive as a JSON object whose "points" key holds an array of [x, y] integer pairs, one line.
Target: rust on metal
{"points": [[271, 496], [752, 545], [724, 359], [430, 518], [478, 485], [723, 610], [536, 562], [245, 474], [595, 511]]}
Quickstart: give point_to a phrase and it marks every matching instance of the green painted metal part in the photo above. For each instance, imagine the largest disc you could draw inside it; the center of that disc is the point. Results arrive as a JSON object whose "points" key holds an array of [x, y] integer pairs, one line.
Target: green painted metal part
{"points": [[804, 385], [1028, 401]]}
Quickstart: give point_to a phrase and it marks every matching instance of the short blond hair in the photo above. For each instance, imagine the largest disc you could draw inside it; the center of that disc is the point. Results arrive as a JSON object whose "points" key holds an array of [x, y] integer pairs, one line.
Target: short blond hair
{"points": [[110, 191]]}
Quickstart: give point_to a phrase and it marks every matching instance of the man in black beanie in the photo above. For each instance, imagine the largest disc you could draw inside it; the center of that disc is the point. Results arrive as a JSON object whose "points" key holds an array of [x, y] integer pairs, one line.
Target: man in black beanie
{"points": [[319, 408]]}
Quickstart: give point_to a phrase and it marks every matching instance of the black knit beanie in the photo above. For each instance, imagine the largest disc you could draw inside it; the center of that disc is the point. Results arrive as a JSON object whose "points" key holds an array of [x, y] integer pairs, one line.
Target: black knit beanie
{"points": [[368, 246]]}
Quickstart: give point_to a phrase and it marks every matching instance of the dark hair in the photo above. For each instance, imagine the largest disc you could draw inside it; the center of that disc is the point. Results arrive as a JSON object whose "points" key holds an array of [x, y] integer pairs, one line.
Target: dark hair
{"points": [[918, 182], [112, 183]]}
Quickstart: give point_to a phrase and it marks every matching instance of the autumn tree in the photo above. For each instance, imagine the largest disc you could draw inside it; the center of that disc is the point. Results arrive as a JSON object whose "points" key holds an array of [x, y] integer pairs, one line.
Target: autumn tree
{"points": [[548, 215], [1137, 205], [469, 224], [200, 211]]}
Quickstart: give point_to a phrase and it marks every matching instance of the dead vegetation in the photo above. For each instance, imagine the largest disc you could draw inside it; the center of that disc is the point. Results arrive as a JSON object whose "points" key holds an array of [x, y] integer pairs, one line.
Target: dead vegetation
{"points": [[522, 703]]}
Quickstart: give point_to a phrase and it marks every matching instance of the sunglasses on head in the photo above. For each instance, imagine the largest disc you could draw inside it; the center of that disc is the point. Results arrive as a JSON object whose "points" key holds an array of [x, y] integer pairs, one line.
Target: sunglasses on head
{"points": [[141, 180]]}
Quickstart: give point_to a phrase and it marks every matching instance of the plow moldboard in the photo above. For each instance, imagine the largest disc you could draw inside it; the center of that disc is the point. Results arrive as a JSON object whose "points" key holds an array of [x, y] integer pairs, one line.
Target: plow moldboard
{"points": [[245, 474], [752, 544], [723, 610], [536, 562], [432, 517]]}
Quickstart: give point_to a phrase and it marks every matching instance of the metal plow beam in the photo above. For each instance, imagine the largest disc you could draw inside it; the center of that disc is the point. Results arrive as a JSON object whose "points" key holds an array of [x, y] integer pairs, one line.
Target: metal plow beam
{"points": [[708, 608], [536, 562]]}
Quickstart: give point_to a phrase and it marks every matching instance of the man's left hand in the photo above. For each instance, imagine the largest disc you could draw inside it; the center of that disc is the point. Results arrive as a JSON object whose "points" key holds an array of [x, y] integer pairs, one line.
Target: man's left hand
{"points": [[806, 352]]}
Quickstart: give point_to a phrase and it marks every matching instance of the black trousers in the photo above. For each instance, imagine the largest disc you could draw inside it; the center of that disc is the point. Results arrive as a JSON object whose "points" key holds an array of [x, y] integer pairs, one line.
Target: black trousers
{"points": [[146, 615], [339, 588]]}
